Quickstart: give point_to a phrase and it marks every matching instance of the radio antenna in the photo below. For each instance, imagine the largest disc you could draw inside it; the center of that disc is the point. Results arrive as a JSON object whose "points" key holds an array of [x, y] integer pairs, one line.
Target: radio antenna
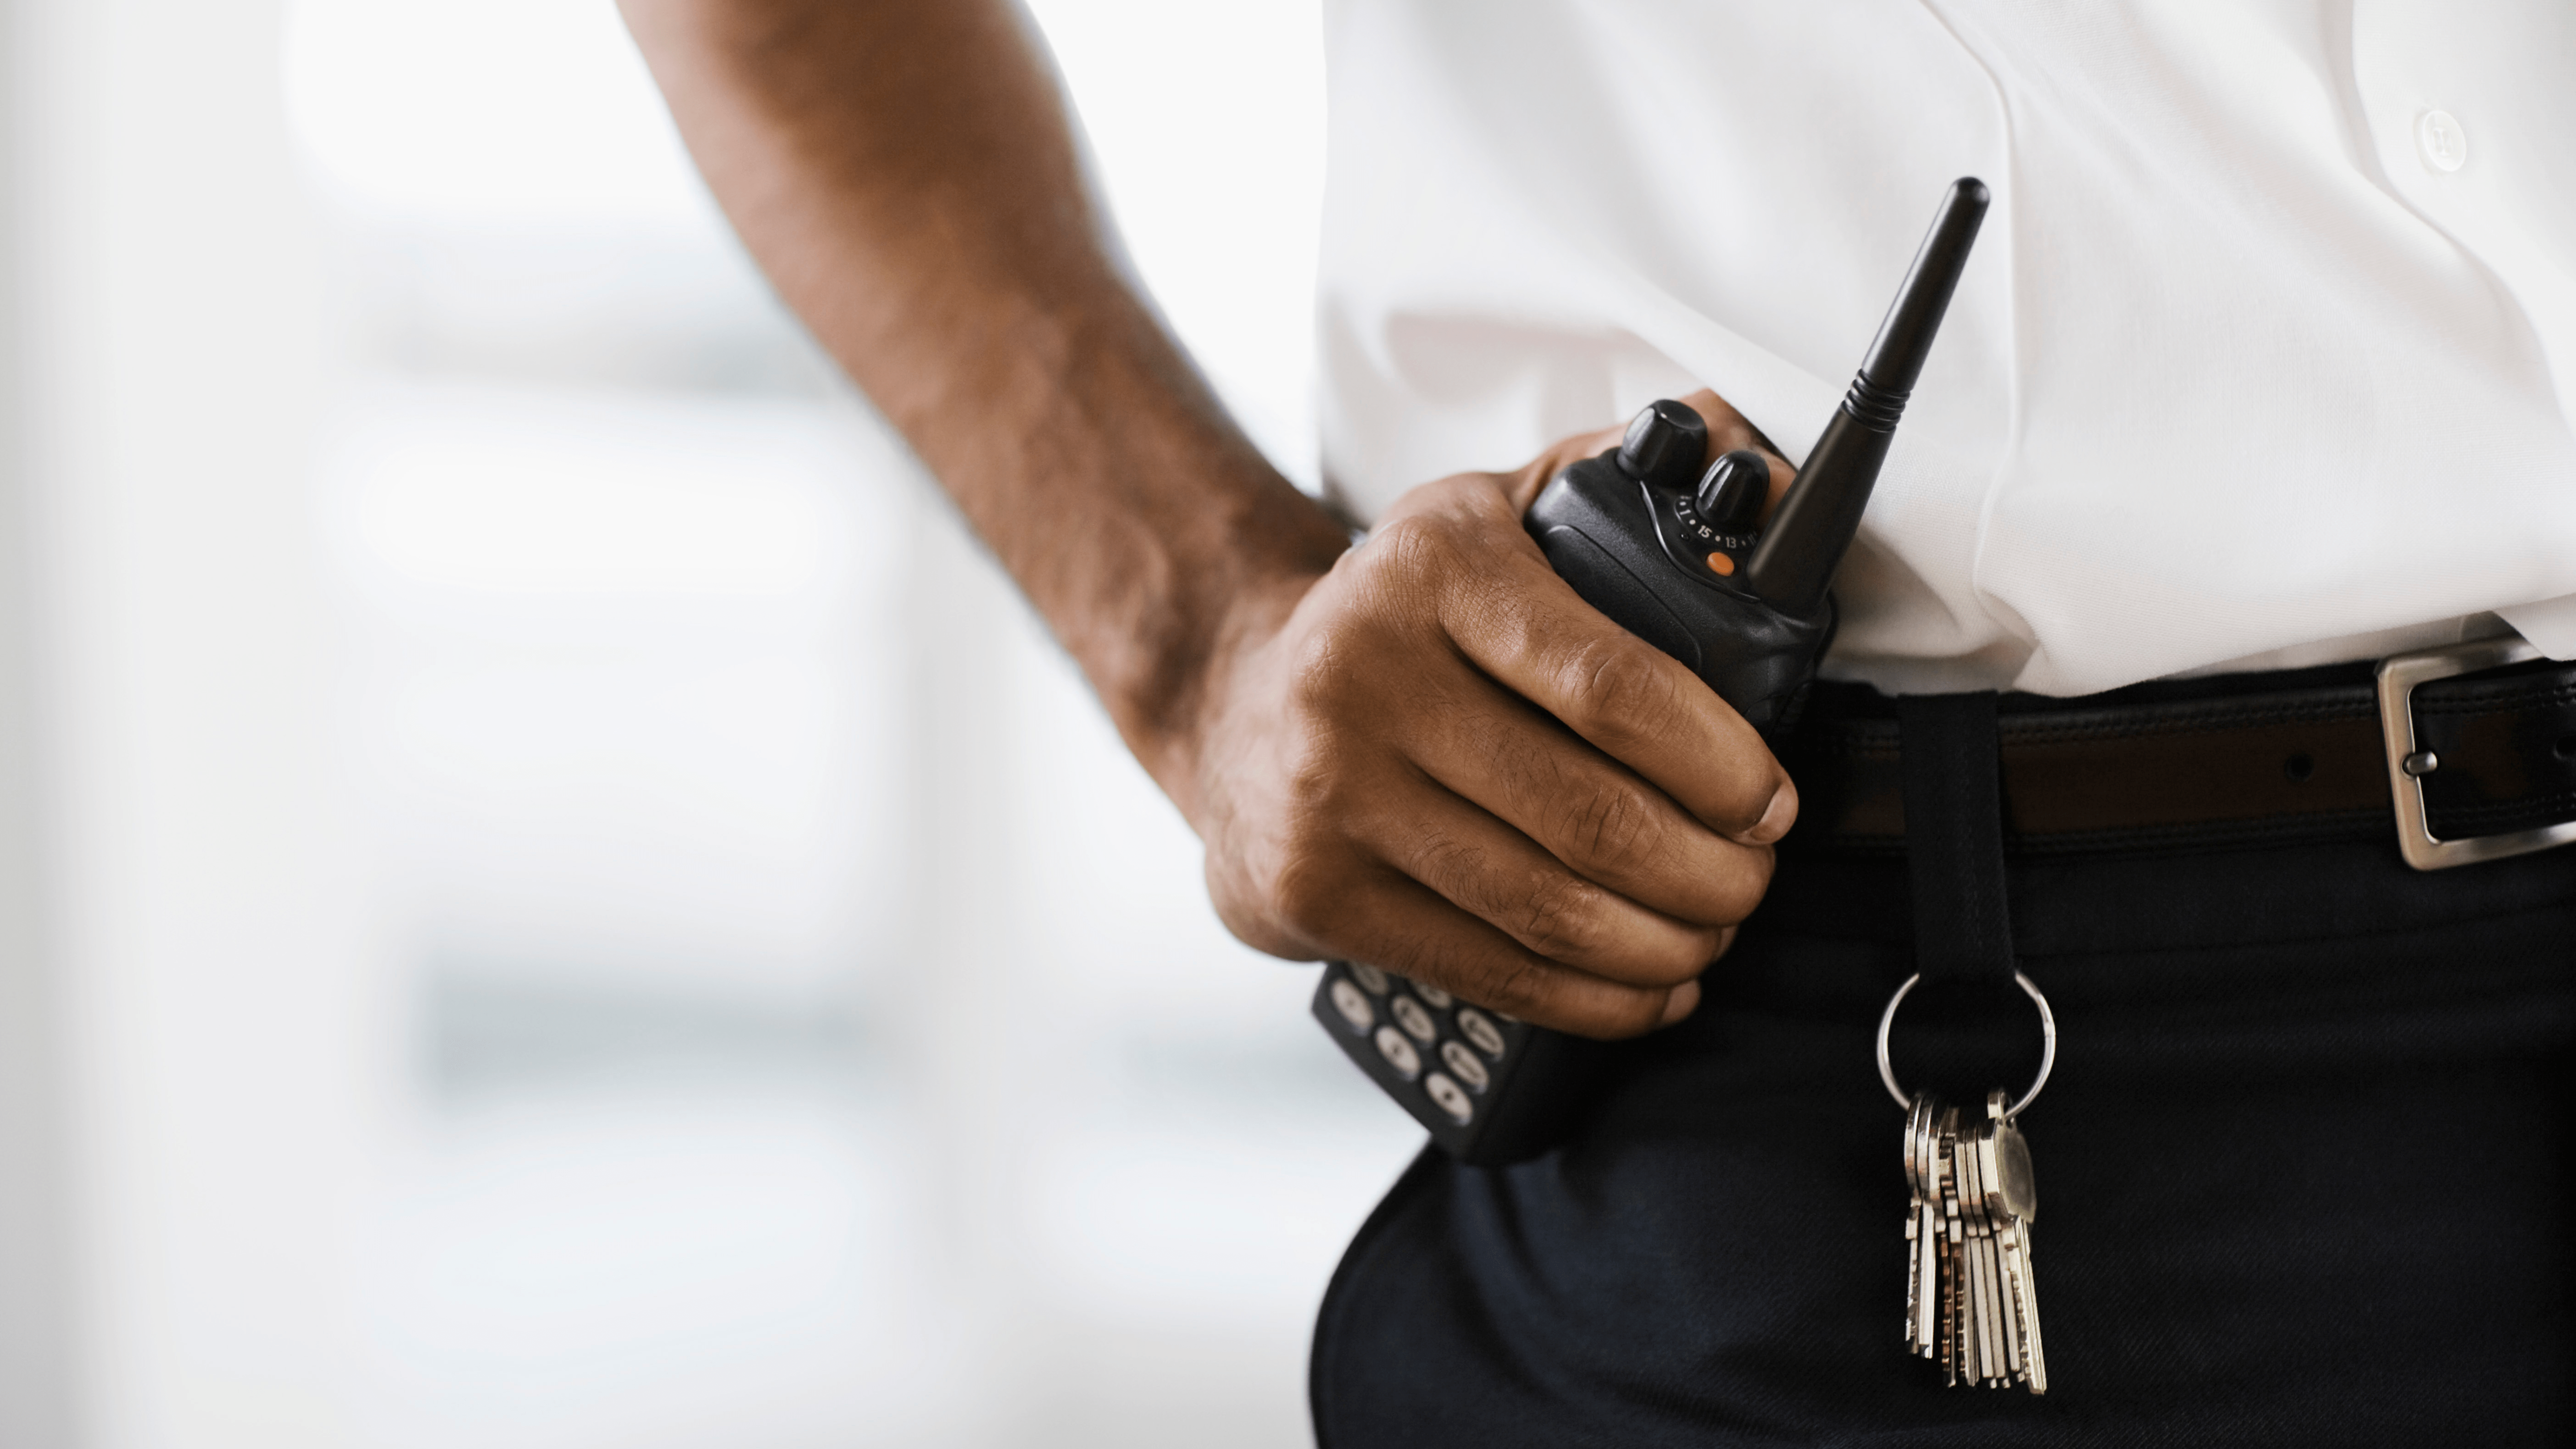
{"points": [[1815, 523]]}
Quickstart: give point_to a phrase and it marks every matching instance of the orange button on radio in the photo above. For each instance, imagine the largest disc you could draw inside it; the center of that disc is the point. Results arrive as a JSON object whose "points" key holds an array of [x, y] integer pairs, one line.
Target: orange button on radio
{"points": [[1720, 565]]}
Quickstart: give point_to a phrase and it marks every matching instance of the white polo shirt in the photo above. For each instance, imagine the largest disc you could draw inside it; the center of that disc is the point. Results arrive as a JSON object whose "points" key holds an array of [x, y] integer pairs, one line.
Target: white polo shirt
{"points": [[2266, 355]]}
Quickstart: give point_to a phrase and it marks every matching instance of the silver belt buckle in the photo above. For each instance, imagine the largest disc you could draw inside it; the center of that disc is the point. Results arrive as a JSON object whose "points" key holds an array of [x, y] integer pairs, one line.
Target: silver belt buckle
{"points": [[2408, 762]]}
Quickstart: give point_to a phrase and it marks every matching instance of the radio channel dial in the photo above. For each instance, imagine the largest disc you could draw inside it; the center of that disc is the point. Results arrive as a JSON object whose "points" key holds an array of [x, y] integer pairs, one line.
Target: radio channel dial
{"points": [[1664, 445], [1733, 490]]}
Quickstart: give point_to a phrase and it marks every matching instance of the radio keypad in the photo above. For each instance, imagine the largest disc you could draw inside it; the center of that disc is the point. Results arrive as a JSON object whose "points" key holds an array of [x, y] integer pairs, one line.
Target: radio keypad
{"points": [[1415, 1007], [1421, 1039]]}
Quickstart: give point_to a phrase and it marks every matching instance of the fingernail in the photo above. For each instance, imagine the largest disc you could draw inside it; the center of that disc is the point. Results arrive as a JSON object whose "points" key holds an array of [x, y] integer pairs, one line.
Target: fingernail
{"points": [[1777, 817], [1683, 1001]]}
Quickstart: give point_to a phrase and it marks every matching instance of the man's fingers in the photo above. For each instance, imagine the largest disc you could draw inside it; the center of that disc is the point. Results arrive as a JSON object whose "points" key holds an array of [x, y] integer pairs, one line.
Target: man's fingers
{"points": [[1498, 875], [1509, 613], [1537, 637], [1402, 925], [1591, 813]]}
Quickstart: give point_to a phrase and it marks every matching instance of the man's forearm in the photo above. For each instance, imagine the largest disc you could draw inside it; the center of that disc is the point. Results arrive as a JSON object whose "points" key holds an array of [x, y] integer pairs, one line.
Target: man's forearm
{"points": [[905, 172]]}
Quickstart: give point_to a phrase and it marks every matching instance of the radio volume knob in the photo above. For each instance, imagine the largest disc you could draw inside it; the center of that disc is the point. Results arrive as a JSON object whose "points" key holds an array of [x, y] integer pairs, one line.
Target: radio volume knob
{"points": [[1732, 492], [1664, 445]]}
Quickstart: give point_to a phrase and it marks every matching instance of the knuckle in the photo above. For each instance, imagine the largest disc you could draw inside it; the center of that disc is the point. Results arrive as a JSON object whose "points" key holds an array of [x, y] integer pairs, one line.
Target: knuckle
{"points": [[1456, 865], [1414, 552], [1623, 694], [1313, 782], [1308, 891], [1512, 984], [1559, 917], [1324, 667], [1248, 918], [1614, 829]]}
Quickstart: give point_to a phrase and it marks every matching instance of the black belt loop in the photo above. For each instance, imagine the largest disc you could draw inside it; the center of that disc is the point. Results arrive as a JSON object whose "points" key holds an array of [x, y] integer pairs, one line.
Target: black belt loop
{"points": [[1954, 836]]}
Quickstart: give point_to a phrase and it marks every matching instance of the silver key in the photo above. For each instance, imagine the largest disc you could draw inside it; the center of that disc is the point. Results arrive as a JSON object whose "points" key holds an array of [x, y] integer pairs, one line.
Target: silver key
{"points": [[1996, 1220], [1995, 1343], [1963, 1265], [1913, 1226], [1922, 1270], [1922, 1232], [1978, 1347], [1929, 1253], [2012, 1202], [1955, 1332], [1927, 1258], [2026, 1299]]}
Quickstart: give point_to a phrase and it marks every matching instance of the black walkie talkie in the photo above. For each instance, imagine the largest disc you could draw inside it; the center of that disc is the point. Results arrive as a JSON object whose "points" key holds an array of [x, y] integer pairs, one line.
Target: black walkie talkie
{"points": [[1673, 555]]}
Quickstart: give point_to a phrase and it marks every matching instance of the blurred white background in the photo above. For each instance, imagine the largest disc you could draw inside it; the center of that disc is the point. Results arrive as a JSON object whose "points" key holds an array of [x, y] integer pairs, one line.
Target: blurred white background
{"points": [[553, 897]]}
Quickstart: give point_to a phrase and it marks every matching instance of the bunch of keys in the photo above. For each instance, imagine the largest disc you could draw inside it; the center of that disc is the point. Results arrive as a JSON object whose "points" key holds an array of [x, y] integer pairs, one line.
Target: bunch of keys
{"points": [[1970, 1300]]}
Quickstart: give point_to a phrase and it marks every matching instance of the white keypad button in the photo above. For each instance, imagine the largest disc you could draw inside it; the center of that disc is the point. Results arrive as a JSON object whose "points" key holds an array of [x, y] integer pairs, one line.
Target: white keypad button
{"points": [[1434, 995], [2445, 144], [1399, 1053], [1354, 1006], [1476, 1027], [1370, 977], [1410, 1015], [1449, 1097], [1465, 1065]]}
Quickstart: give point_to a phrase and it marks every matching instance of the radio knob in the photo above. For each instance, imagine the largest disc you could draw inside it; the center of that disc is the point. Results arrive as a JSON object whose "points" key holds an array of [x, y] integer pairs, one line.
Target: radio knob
{"points": [[1732, 492], [1664, 445]]}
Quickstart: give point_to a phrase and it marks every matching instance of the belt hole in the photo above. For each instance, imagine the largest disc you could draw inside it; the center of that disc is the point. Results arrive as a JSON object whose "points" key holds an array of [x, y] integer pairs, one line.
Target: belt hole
{"points": [[2300, 766], [2565, 749]]}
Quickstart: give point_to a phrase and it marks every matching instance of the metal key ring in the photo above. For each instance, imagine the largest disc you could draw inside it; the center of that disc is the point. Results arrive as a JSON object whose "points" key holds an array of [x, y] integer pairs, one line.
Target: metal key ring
{"points": [[2047, 1044]]}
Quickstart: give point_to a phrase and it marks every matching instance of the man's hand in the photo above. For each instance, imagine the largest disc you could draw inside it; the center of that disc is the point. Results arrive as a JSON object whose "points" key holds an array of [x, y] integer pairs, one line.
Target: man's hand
{"points": [[1444, 762]]}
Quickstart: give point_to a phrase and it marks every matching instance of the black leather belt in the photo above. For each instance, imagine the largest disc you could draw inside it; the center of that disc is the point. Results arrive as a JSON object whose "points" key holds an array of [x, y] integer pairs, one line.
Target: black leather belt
{"points": [[2467, 753]]}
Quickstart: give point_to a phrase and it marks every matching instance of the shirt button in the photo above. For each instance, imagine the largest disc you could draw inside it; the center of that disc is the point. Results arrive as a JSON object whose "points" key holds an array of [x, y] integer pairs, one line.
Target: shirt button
{"points": [[2444, 144]]}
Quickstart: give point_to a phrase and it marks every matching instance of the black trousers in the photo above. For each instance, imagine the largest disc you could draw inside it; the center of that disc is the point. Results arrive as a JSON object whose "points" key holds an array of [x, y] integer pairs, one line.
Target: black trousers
{"points": [[2303, 1175]]}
